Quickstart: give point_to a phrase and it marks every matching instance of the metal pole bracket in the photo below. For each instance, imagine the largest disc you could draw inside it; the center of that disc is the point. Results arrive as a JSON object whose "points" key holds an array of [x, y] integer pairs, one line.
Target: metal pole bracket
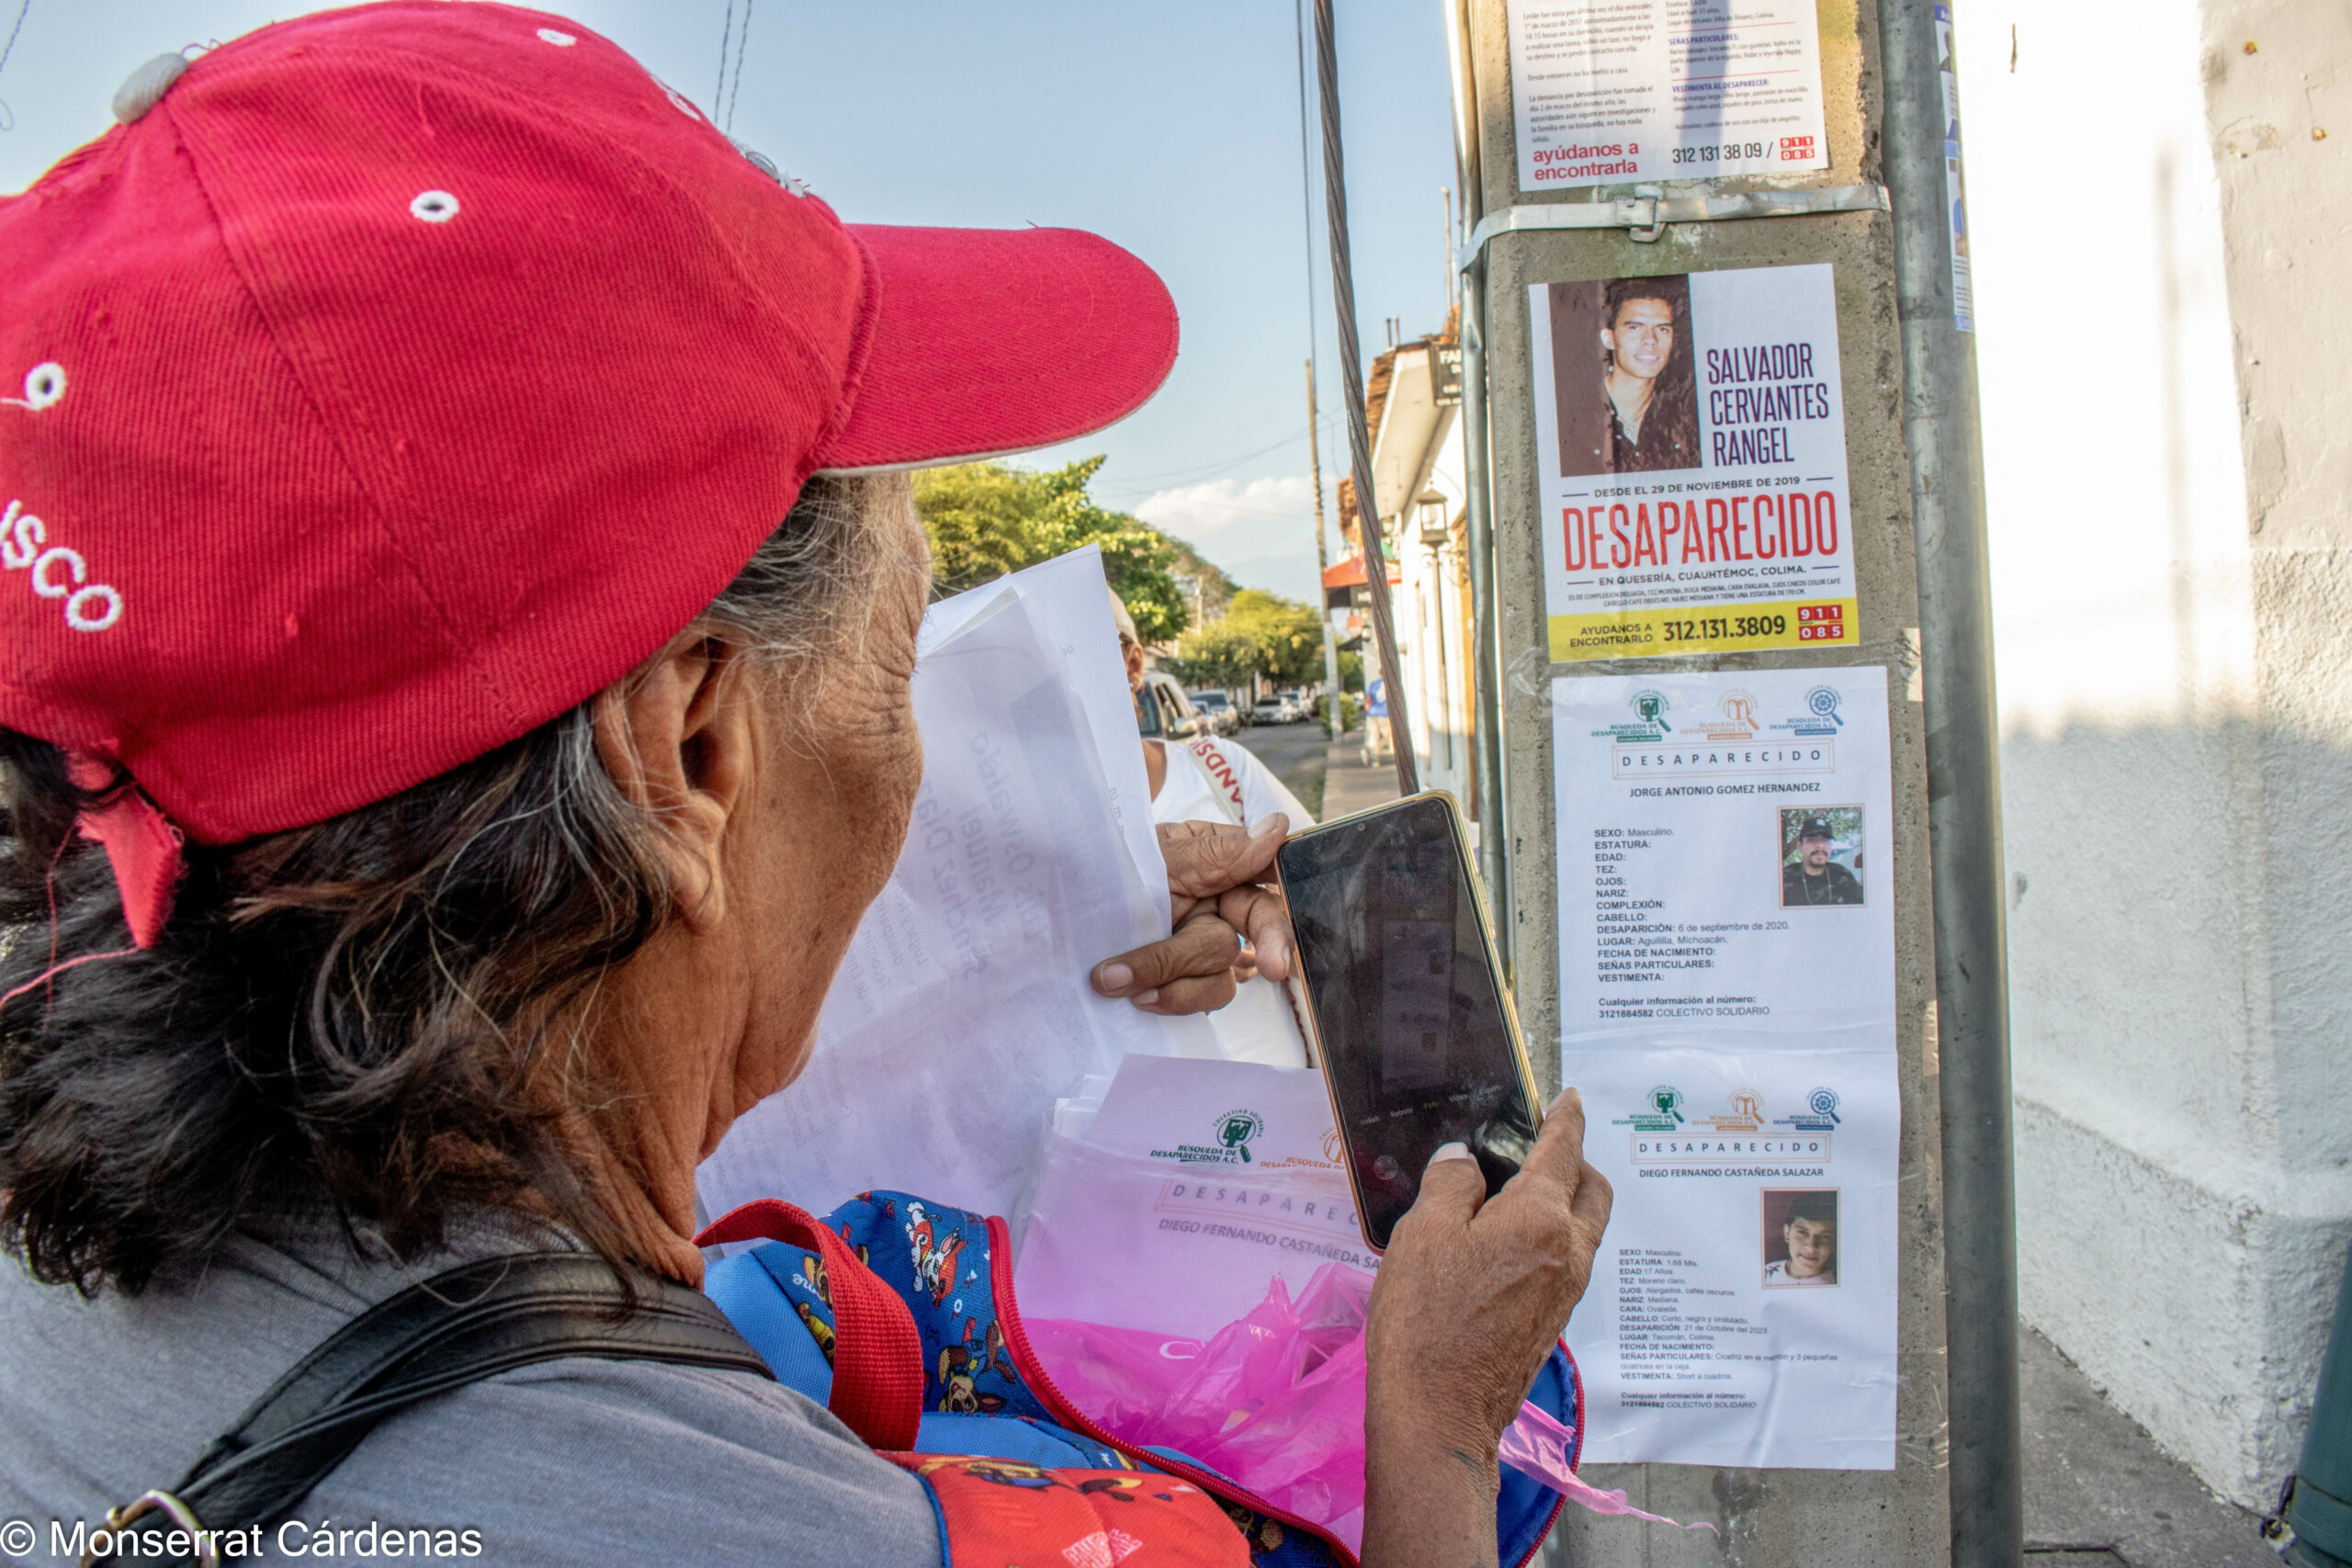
{"points": [[1645, 215]]}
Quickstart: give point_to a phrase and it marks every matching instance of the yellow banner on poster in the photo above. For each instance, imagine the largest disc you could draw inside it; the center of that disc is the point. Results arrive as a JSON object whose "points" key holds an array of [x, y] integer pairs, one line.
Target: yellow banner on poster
{"points": [[1708, 628]]}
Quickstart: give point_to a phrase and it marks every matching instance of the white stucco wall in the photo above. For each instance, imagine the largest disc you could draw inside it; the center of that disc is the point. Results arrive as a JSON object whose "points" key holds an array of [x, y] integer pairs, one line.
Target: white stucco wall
{"points": [[2160, 268]]}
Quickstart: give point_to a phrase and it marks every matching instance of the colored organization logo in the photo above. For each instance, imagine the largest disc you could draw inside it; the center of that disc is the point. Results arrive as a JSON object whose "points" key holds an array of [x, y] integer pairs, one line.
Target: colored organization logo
{"points": [[1745, 1115], [1737, 720], [1233, 1132], [1648, 725], [1663, 1114], [1235, 1129], [1819, 716], [1819, 1115]]}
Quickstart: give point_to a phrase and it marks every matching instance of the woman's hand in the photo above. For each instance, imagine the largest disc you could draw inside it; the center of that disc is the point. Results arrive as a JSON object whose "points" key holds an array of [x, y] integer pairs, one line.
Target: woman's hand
{"points": [[1472, 1292], [1222, 908]]}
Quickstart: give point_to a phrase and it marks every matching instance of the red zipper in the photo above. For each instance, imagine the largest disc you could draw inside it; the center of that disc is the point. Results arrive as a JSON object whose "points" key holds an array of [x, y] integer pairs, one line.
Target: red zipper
{"points": [[1008, 1316]]}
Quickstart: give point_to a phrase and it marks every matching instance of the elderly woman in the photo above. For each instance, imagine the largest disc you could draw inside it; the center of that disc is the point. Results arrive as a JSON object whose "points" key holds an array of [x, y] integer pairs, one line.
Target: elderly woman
{"points": [[440, 789]]}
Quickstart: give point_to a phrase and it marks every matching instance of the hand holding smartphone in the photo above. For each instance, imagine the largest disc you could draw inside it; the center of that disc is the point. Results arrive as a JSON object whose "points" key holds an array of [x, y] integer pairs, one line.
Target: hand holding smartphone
{"points": [[1415, 1033]]}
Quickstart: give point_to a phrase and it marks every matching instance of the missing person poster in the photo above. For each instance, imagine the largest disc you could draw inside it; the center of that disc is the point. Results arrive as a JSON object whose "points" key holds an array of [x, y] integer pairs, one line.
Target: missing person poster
{"points": [[1610, 91], [1690, 446], [1722, 855], [1727, 1011], [1742, 1309]]}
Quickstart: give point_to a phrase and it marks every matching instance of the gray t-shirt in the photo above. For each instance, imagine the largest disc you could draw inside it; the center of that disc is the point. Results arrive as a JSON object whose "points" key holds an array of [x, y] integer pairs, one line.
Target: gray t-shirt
{"points": [[568, 1461]]}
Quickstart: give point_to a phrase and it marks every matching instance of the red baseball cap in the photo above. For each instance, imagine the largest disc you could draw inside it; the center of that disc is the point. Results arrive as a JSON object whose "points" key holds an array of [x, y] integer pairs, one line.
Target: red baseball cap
{"points": [[397, 377]]}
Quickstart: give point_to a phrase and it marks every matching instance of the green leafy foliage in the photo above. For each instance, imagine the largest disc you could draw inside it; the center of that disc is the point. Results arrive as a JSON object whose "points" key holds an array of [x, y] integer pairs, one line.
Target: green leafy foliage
{"points": [[987, 519], [1351, 671], [1261, 634]]}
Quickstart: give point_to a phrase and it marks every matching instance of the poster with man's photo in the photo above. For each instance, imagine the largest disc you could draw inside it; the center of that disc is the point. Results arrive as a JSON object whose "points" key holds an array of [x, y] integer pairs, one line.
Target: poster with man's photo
{"points": [[1691, 438], [1744, 1310], [1717, 868]]}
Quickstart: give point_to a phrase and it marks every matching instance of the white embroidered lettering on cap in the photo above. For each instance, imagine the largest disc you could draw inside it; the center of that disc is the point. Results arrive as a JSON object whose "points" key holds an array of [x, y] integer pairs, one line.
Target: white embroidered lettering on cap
{"points": [[21, 538], [44, 385], [561, 40], [433, 205], [45, 583], [24, 546]]}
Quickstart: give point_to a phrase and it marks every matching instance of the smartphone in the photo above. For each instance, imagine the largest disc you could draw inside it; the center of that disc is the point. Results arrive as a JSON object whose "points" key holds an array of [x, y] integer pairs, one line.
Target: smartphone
{"points": [[1411, 1024]]}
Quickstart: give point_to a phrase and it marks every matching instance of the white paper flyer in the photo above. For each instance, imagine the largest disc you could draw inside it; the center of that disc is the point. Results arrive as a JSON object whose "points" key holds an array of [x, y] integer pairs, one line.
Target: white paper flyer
{"points": [[962, 1012], [1742, 1310], [1611, 91], [1727, 1004], [1690, 444], [1723, 856]]}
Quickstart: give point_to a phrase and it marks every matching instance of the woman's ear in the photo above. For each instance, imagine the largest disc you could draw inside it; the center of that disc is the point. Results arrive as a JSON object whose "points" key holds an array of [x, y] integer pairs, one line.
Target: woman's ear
{"points": [[677, 737]]}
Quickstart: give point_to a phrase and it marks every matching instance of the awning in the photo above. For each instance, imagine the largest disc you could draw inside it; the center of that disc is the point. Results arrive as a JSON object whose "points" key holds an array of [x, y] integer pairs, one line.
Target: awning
{"points": [[1349, 573]]}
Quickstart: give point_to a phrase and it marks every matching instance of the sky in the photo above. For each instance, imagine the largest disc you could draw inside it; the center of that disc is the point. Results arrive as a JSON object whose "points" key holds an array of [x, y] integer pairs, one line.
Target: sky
{"points": [[1171, 130]]}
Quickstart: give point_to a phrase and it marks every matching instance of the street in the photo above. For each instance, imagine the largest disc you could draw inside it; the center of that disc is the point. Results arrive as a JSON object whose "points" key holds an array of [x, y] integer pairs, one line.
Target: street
{"points": [[1294, 752]]}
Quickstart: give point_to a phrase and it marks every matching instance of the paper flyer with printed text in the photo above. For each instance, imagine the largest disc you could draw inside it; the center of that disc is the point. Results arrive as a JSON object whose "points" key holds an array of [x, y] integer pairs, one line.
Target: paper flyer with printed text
{"points": [[1690, 444], [1610, 91], [1728, 1014]]}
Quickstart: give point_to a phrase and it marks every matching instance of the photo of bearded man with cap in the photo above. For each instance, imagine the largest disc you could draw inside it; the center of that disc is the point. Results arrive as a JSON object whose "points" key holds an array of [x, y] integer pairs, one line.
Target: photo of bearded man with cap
{"points": [[1812, 878]]}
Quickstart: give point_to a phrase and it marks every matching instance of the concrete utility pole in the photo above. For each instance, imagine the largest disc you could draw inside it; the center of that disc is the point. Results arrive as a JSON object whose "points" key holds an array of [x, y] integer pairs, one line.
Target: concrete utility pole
{"points": [[1916, 546], [1332, 716]]}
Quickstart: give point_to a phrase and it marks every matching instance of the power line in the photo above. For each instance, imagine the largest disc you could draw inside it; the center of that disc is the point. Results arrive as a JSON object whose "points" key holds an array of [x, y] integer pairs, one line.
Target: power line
{"points": [[726, 32], [742, 40], [7, 114], [1205, 470], [1305, 185]]}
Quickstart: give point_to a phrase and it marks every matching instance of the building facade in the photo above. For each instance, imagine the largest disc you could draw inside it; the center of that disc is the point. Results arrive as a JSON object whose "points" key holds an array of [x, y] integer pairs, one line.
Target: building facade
{"points": [[2169, 486], [1413, 405]]}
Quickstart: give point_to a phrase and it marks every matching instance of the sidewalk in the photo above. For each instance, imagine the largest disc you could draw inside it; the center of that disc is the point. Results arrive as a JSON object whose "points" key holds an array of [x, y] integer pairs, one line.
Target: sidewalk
{"points": [[2099, 1493], [1348, 784]]}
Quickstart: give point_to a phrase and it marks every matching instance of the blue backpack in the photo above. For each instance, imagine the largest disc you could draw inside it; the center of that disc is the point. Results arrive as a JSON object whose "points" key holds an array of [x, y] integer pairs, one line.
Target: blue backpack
{"points": [[896, 1313]]}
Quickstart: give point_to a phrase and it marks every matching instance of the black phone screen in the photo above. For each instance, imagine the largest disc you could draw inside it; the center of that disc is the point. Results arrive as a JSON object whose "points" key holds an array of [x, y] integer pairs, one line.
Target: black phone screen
{"points": [[1407, 1003]]}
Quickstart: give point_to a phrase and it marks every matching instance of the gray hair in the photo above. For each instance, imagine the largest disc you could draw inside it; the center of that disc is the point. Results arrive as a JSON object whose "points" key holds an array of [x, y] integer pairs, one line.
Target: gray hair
{"points": [[360, 1018]]}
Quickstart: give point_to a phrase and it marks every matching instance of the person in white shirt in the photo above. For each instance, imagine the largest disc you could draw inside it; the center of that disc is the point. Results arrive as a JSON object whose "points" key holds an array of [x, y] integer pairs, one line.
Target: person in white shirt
{"points": [[1211, 780], [1811, 1233]]}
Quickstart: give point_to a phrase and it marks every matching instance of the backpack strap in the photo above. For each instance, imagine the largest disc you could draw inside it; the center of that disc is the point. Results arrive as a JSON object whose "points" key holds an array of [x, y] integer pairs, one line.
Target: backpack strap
{"points": [[878, 1354], [460, 1327]]}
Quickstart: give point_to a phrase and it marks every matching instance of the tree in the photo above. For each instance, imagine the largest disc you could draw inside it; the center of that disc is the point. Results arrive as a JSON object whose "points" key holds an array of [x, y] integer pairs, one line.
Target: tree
{"points": [[1288, 633], [1203, 583], [1261, 634], [1218, 654], [1351, 671], [987, 519]]}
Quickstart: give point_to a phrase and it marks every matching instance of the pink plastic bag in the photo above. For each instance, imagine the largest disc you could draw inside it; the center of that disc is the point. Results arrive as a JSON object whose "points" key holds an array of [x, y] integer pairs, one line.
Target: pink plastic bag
{"points": [[1274, 1401]]}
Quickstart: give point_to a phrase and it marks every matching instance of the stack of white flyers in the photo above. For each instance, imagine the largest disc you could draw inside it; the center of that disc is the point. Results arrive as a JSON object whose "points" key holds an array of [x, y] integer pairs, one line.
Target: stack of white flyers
{"points": [[1196, 1185], [963, 1013], [1727, 997]]}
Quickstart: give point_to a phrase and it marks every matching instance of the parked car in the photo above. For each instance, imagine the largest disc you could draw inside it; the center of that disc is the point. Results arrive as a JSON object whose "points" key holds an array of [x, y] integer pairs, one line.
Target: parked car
{"points": [[1274, 710], [1217, 708], [1164, 713]]}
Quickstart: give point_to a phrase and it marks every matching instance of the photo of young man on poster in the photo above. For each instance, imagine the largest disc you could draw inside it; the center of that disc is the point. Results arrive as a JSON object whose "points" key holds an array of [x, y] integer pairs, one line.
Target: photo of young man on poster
{"points": [[1800, 1237], [1621, 363]]}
